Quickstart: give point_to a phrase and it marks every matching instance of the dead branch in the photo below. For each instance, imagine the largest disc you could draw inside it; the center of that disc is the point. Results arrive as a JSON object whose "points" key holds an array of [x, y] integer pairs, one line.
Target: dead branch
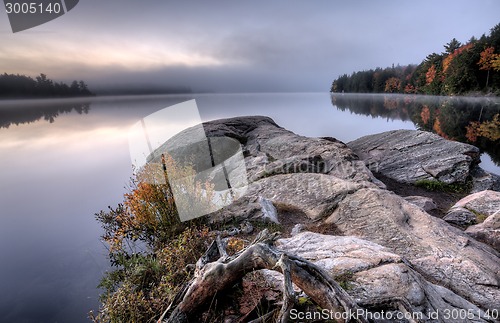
{"points": [[213, 276]]}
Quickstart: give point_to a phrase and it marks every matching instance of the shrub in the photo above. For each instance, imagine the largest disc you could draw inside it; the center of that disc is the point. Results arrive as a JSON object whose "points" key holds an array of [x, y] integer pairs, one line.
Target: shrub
{"points": [[142, 285], [149, 247], [434, 185]]}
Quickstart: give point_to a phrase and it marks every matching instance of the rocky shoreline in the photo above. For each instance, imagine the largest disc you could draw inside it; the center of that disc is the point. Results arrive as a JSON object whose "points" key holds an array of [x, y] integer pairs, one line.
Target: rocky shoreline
{"points": [[380, 230]]}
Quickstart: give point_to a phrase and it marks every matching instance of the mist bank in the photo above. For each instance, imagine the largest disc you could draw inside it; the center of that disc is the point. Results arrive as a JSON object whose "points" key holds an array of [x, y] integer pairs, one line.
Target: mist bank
{"points": [[142, 89]]}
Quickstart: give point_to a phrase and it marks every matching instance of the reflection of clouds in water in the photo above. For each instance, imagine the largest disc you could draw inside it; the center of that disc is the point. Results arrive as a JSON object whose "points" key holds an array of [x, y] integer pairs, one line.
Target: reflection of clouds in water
{"points": [[83, 139]]}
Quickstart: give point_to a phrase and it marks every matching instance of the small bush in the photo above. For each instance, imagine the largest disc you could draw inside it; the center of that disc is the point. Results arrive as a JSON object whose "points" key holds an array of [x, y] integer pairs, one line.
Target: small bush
{"points": [[434, 185], [149, 247], [143, 285]]}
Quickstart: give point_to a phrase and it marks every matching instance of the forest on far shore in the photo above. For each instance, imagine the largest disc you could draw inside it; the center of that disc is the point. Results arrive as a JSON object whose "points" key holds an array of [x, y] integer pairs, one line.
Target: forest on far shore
{"points": [[473, 67], [21, 86]]}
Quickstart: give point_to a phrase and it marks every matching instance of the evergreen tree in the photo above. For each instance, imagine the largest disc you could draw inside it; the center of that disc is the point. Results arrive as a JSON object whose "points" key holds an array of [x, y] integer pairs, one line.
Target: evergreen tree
{"points": [[452, 46]]}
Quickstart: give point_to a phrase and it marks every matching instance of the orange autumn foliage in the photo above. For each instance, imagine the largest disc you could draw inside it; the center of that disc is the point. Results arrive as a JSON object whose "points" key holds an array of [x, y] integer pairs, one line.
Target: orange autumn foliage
{"points": [[425, 114], [448, 59], [437, 128], [430, 75], [149, 211], [392, 85], [487, 129], [487, 58]]}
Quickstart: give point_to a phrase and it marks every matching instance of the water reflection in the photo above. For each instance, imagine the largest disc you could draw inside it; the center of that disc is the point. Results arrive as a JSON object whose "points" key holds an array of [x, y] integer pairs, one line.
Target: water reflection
{"points": [[471, 120], [16, 112]]}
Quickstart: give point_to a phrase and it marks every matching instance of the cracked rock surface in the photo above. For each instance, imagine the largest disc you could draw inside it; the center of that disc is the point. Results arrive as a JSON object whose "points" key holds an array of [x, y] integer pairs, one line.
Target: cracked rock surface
{"points": [[408, 156], [376, 277]]}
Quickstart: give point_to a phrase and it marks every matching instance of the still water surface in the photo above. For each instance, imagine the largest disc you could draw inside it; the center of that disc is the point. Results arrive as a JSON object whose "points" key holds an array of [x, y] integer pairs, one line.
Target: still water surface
{"points": [[64, 160]]}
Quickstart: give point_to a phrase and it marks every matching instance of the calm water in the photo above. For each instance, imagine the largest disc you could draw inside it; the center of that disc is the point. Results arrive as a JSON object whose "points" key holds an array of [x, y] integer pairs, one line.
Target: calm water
{"points": [[64, 160]]}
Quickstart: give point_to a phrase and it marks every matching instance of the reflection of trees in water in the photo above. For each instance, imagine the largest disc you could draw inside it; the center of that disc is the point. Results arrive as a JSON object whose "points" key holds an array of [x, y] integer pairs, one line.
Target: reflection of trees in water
{"points": [[19, 113], [375, 105], [471, 120]]}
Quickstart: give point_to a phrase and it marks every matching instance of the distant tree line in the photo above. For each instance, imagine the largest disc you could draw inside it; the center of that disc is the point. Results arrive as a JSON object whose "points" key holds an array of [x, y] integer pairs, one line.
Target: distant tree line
{"points": [[461, 69], [15, 85]]}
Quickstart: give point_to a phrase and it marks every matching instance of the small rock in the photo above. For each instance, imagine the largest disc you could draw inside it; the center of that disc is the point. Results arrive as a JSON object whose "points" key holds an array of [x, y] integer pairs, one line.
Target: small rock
{"points": [[269, 212], [460, 216], [425, 203], [246, 227], [298, 228], [232, 231]]}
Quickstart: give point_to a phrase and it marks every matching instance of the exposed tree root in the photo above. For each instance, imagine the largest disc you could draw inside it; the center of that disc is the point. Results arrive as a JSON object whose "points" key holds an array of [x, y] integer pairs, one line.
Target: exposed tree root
{"points": [[215, 272]]}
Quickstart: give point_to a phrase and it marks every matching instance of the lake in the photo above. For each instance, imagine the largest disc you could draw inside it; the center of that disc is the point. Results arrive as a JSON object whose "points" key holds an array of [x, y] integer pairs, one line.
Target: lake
{"points": [[63, 160]]}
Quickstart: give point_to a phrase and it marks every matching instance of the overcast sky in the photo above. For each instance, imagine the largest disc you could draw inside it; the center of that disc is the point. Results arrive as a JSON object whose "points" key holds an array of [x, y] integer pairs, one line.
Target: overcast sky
{"points": [[231, 46]]}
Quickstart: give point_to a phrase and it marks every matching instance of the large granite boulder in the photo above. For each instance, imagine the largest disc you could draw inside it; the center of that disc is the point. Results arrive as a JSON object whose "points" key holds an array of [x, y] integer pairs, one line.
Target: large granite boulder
{"points": [[408, 156], [271, 150], [379, 279]]}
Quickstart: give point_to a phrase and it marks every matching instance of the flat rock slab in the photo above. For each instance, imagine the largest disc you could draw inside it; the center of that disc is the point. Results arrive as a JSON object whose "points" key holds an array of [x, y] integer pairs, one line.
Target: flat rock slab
{"points": [[408, 156], [314, 194]]}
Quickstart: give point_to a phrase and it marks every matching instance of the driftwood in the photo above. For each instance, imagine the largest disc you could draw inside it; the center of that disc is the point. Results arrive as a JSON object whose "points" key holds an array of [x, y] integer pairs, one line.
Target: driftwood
{"points": [[216, 271]]}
